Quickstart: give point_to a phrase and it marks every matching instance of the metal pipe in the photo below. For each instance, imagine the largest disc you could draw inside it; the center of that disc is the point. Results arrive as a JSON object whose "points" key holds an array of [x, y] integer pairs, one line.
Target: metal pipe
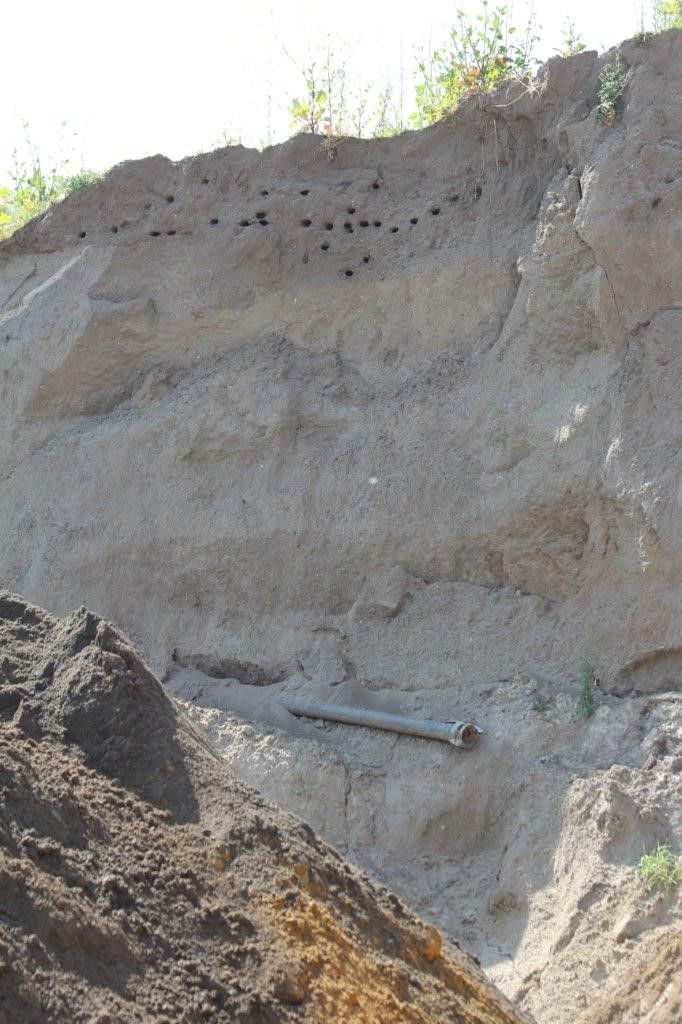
{"points": [[460, 734]]}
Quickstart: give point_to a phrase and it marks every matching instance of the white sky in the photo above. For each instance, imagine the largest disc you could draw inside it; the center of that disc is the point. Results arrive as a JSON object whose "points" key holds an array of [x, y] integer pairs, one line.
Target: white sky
{"points": [[138, 77]]}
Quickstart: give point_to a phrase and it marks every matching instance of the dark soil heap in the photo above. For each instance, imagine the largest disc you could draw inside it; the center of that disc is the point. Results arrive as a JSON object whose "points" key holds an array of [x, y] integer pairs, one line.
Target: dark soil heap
{"points": [[141, 881]]}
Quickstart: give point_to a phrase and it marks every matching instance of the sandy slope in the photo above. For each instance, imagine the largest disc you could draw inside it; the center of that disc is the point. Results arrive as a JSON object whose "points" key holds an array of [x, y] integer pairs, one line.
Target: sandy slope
{"points": [[142, 882]]}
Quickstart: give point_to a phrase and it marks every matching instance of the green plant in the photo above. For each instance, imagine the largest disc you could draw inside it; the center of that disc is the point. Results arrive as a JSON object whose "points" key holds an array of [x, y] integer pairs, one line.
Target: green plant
{"points": [[571, 42], [586, 681], [612, 81], [540, 702], [478, 55], [666, 14], [323, 106], [661, 867], [35, 187]]}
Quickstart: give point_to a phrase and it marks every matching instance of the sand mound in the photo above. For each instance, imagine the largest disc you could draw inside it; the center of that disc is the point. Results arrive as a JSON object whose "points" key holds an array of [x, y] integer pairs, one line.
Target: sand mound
{"points": [[141, 881]]}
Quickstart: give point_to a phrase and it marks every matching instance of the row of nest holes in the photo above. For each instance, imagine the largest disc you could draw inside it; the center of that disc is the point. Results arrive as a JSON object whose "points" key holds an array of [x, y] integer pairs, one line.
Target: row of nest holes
{"points": [[261, 216]]}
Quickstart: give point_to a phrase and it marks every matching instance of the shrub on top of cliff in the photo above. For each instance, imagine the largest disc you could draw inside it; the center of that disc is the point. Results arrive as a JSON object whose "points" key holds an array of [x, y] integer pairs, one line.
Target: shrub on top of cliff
{"points": [[666, 14], [612, 81], [571, 40], [478, 55], [34, 188]]}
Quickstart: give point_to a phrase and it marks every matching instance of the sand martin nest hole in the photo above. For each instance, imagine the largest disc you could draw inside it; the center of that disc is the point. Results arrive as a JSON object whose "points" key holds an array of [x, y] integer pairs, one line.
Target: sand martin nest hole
{"points": [[377, 223], [656, 201], [244, 223], [348, 273], [435, 210], [261, 215], [376, 185], [364, 223], [264, 192], [348, 227], [351, 210], [82, 234], [305, 223], [414, 220], [478, 192], [329, 226], [304, 191], [172, 232], [365, 259], [154, 234], [324, 248], [393, 230], [114, 230], [170, 199], [263, 222], [453, 199], [204, 181], [214, 220]]}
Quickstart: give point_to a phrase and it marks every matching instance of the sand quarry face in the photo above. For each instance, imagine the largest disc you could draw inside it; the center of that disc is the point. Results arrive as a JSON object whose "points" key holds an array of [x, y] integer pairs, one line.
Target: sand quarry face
{"points": [[394, 423]]}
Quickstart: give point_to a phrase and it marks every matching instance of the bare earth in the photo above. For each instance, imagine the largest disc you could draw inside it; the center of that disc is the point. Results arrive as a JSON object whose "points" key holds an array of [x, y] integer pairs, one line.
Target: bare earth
{"points": [[142, 882]]}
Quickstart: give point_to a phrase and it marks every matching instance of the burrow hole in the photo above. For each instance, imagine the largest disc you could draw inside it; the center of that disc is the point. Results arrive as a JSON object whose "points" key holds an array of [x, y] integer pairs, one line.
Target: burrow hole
{"points": [[351, 210], [305, 223], [170, 199], [264, 192], [81, 234], [244, 223], [414, 220], [478, 192], [172, 232], [365, 259], [261, 214], [364, 223], [324, 247], [214, 220], [263, 222], [204, 181], [656, 201], [329, 227], [305, 191], [348, 227], [348, 273], [154, 234], [114, 230], [375, 185], [393, 231], [377, 223], [454, 199], [435, 210]]}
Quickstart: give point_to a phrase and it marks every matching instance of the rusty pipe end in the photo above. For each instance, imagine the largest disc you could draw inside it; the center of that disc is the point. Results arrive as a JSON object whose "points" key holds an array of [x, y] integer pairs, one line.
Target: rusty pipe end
{"points": [[464, 734]]}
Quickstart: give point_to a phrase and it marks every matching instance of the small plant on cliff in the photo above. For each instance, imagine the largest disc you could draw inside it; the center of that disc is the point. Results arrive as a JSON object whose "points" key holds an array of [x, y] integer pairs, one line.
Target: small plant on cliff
{"points": [[661, 867], [571, 41], [478, 55], [586, 681], [612, 81]]}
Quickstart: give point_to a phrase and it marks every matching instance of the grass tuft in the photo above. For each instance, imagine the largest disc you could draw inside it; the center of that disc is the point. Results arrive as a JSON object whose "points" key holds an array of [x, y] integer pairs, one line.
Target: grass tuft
{"points": [[661, 867]]}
